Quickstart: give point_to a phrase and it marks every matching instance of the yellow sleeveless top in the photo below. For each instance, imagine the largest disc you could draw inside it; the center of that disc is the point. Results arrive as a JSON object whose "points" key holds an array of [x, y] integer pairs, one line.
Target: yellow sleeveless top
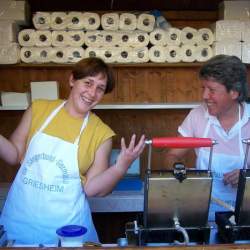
{"points": [[68, 128]]}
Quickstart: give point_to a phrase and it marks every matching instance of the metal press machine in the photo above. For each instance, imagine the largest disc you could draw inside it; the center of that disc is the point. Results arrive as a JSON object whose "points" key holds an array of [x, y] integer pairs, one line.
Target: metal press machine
{"points": [[176, 202]]}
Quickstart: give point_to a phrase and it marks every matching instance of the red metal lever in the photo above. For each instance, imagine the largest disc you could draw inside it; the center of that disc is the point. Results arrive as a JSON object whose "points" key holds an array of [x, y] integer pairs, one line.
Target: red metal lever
{"points": [[181, 142]]}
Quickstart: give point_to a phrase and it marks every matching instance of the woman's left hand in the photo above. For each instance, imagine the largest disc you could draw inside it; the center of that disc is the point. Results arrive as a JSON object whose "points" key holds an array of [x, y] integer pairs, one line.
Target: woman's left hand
{"points": [[130, 153], [232, 178]]}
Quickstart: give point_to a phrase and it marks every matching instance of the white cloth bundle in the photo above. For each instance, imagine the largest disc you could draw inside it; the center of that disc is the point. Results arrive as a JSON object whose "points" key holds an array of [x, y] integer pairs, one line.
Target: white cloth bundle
{"points": [[91, 21], [205, 36], [173, 53], [75, 38], [246, 52], [59, 20], [9, 53], [228, 30], [29, 54], [246, 32], [157, 54], [125, 55], [188, 53], [110, 38], [203, 53], [94, 38], [43, 38], [231, 48], [127, 21], [42, 20], [43, 55], [139, 39], [14, 10], [109, 54], [145, 22], [140, 55], [173, 36], [27, 37], [93, 52], [74, 54], [189, 36], [110, 21], [158, 37], [59, 38], [59, 55], [8, 32], [75, 20]]}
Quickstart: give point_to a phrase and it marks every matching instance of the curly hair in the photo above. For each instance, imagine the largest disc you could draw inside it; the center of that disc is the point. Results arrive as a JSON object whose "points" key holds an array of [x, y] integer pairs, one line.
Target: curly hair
{"points": [[229, 71]]}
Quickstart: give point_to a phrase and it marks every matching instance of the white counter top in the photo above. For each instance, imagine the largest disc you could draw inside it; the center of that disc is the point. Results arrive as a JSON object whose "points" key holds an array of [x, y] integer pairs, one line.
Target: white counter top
{"points": [[118, 201]]}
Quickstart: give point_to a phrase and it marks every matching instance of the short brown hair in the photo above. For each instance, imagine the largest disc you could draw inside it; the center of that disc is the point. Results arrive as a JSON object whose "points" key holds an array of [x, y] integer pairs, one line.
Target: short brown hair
{"points": [[93, 66]]}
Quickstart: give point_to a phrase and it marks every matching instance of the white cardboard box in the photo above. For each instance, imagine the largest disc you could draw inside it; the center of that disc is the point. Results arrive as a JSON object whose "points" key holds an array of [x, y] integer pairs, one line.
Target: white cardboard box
{"points": [[15, 99], [44, 90]]}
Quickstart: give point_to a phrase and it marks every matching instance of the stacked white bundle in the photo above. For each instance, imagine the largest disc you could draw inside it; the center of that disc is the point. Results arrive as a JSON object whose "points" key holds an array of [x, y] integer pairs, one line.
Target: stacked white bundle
{"points": [[91, 20], [157, 54], [173, 36], [42, 20], [43, 54], [93, 52], [74, 54], [246, 52], [43, 38], [110, 21], [189, 36], [75, 38], [205, 36], [29, 54], [59, 38], [230, 30], [127, 21], [158, 37], [188, 53], [173, 53], [9, 53], [27, 37], [146, 22], [234, 10], [110, 38], [94, 38], [227, 47], [228, 36], [140, 55], [14, 11], [59, 20], [125, 55], [246, 32], [203, 53], [9, 48], [75, 20]]}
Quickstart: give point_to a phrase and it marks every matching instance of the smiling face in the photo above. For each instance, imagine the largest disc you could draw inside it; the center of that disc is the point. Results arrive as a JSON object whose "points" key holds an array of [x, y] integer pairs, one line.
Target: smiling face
{"points": [[85, 94], [219, 101]]}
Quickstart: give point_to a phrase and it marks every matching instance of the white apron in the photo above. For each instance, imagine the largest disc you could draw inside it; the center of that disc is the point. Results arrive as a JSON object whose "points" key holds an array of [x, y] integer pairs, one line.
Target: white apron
{"points": [[221, 163], [47, 192]]}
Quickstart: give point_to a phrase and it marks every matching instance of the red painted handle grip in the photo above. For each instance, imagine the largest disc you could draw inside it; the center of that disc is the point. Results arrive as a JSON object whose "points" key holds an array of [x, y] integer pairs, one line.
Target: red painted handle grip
{"points": [[181, 142]]}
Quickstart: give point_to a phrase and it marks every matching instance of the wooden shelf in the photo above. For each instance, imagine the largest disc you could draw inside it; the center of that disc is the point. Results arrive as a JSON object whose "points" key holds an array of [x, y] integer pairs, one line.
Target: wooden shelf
{"points": [[127, 106]]}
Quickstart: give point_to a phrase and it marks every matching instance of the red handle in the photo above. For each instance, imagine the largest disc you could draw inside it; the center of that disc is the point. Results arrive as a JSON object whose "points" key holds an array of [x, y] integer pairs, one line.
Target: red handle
{"points": [[181, 142]]}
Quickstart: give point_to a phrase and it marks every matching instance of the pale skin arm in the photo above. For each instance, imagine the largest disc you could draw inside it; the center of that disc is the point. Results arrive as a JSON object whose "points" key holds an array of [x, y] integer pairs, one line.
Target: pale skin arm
{"points": [[231, 178], [101, 179], [174, 155], [13, 150]]}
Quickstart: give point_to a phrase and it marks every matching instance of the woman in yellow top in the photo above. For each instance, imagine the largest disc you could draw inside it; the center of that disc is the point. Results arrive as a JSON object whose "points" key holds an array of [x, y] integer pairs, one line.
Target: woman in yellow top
{"points": [[64, 152]]}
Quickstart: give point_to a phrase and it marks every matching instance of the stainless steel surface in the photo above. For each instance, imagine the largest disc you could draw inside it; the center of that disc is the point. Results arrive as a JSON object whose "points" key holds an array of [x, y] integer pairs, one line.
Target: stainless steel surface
{"points": [[169, 198], [244, 216], [118, 201]]}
